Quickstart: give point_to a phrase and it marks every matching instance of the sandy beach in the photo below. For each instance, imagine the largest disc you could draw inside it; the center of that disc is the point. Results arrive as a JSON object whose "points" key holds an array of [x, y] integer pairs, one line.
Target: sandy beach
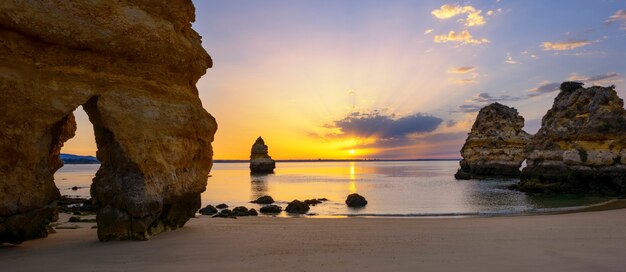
{"points": [[586, 241]]}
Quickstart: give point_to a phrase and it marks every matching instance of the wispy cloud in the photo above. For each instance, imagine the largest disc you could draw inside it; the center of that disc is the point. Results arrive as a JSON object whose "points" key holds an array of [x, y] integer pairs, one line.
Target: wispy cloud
{"points": [[474, 17], [428, 31], [618, 16], [510, 60], [567, 45], [482, 99], [463, 37], [544, 88], [607, 78], [461, 70]]}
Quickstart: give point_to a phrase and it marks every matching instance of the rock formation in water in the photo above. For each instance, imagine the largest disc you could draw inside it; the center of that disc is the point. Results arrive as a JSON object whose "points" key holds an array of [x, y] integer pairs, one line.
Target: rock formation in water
{"points": [[581, 146], [260, 161], [132, 66], [495, 145]]}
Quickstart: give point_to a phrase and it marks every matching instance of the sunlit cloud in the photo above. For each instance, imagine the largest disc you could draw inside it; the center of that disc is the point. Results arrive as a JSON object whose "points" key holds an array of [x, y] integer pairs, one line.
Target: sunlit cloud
{"points": [[510, 60], [463, 37], [461, 70], [619, 16], [526, 53], [471, 79], [568, 45], [474, 17], [607, 78], [428, 31], [490, 12]]}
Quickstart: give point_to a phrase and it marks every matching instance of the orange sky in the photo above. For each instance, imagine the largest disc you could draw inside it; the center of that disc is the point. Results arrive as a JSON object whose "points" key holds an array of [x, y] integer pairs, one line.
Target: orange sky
{"points": [[389, 80]]}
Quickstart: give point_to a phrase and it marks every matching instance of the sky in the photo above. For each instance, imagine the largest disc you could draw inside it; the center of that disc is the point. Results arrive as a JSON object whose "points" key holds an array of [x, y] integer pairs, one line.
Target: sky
{"points": [[337, 79]]}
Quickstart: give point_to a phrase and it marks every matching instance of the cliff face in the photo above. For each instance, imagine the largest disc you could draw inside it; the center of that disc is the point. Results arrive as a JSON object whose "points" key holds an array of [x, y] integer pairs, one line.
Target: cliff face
{"points": [[260, 160], [495, 145], [133, 66], [581, 146]]}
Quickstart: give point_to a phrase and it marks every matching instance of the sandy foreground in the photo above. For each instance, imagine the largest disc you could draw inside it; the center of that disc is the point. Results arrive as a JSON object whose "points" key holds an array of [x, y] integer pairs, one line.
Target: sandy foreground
{"points": [[587, 241]]}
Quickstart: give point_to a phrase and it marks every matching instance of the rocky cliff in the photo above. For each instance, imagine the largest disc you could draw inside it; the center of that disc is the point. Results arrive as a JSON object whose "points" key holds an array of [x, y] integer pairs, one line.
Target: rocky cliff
{"points": [[495, 145], [581, 146], [260, 161], [133, 66]]}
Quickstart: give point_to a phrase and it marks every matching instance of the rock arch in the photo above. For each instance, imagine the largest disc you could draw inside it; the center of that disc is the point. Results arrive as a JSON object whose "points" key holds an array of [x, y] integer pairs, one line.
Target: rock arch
{"points": [[133, 67]]}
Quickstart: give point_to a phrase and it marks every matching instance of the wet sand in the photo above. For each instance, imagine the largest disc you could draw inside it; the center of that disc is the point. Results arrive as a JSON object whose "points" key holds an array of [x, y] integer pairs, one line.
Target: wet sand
{"points": [[584, 241]]}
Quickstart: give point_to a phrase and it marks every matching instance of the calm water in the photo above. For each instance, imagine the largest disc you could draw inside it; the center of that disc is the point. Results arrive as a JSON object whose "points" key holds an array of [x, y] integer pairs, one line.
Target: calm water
{"points": [[423, 188]]}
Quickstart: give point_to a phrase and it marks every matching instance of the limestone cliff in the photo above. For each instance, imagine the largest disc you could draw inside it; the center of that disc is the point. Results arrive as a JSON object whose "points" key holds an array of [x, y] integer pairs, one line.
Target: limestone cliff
{"points": [[581, 146], [495, 145], [260, 161], [133, 66]]}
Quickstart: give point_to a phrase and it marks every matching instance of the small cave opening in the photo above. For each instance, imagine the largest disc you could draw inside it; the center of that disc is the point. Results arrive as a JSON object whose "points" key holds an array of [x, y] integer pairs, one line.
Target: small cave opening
{"points": [[75, 177]]}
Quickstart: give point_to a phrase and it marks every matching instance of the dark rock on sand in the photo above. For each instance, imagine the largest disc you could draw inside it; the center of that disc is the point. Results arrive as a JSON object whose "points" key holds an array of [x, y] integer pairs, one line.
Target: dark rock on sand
{"points": [[208, 210], [260, 160], [495, 145], [222, 206], [264, 200], [581, 146], [271, 209], [252, 212], [297, 206], [312, 202], [355, 200]]}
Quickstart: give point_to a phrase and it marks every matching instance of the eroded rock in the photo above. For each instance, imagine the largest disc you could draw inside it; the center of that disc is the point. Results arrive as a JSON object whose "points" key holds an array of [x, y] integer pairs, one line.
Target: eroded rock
{"points": [[133, 66], [260, 161], [495, 145], [580, 146], [297, 207], [356, 201]]}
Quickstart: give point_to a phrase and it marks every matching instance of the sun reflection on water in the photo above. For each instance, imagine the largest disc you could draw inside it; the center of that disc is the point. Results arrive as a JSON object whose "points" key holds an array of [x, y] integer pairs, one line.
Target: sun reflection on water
{"points": [[352, 184]]}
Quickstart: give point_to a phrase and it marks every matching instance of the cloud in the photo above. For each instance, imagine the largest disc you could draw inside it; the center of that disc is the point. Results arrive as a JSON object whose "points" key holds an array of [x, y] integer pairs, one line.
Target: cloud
{"points": [[463, 37], [510, 60], [544, 88], [607, 78], [568, 45], [474, 17], [384, 126], [488, 98], [428, 31], [483, 99], [490, 12], [463, 81], [618, 16], [461, 70]]}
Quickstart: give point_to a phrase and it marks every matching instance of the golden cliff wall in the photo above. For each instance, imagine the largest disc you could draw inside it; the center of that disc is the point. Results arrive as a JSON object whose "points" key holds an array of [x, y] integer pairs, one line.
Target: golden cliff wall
{"points": [[133, 66]]}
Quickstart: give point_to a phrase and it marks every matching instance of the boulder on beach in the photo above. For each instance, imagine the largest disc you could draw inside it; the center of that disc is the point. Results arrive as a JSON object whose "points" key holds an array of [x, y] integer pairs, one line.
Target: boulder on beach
{"points": [[581, 145], [271, 209], [264, 200], [495, 145], [260, 160], [222, 206], [312, 202], [297, 206], [355, 200], [208, 210]]}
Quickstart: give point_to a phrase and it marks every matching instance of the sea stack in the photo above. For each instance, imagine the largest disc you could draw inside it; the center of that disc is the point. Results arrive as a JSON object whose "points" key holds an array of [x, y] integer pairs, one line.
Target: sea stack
{"points": [[133, 67], [260, 160], [581, 146], [495, 145]]}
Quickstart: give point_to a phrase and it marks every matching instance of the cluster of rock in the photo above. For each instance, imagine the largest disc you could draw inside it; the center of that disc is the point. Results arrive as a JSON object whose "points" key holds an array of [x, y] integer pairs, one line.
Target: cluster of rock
{"points": [[495, 145], [227, 213], [260, 160], [580, 147], [133, 66]]}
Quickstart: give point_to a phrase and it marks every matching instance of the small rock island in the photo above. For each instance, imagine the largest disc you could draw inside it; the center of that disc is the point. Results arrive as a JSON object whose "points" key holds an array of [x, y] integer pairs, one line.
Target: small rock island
{"points": [[581, 145], [260, 160], [495, 145]]}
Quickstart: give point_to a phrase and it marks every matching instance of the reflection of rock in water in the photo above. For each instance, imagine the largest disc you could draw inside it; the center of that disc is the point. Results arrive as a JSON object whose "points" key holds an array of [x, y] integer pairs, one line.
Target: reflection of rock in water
{"points": [[258, 186]]}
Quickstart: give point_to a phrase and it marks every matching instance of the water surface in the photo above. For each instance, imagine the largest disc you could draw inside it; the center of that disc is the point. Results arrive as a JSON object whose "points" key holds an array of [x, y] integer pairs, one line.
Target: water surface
{"points": [[412, 188]]}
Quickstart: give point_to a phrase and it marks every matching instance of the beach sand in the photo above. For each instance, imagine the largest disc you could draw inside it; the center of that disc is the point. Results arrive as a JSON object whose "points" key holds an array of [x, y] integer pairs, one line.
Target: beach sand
{"points": [[587, 241]]}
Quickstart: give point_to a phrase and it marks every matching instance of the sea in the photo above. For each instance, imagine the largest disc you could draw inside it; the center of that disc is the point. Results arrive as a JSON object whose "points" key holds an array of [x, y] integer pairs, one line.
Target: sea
{"points": [[392, 189]]}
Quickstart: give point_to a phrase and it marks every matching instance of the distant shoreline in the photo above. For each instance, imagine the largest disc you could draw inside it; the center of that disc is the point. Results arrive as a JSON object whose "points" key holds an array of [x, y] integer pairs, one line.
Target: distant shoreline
{"points": [[322, 160]]}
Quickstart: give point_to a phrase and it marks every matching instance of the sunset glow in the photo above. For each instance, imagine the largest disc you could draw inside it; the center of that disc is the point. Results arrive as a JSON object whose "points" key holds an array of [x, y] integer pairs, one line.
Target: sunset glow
{"points": [[388, 80]]}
